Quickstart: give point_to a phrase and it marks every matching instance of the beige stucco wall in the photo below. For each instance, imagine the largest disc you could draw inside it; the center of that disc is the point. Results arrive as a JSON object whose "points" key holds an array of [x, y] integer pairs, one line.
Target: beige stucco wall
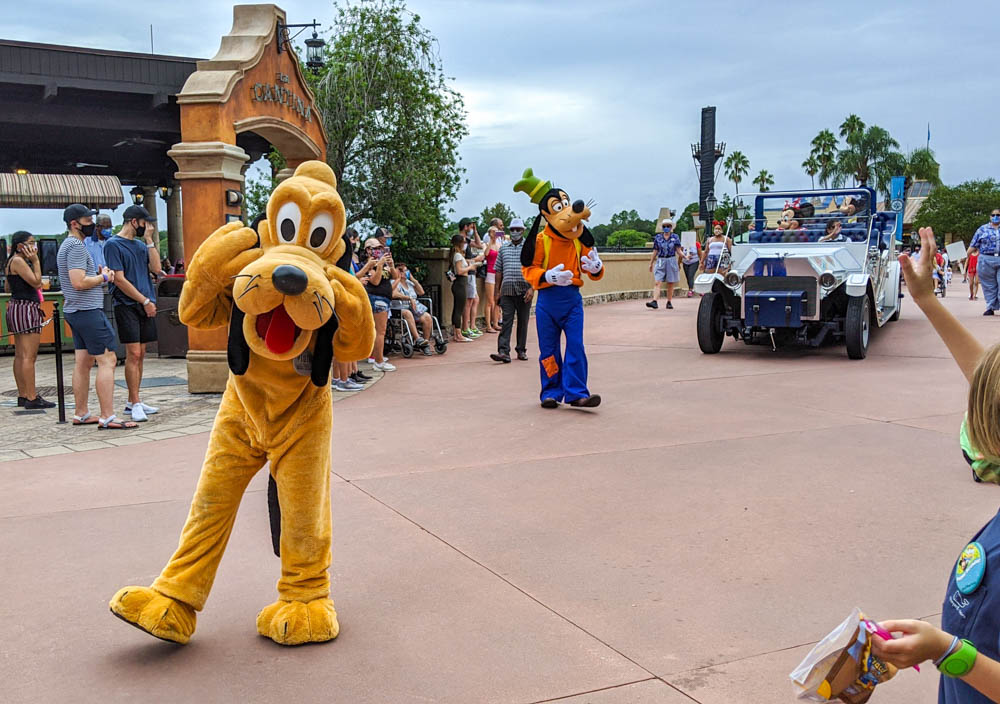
{"points": [[626, 276]]}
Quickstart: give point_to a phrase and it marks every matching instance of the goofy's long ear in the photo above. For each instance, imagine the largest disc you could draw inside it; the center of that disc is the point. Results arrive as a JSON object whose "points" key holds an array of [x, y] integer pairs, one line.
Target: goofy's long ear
{"points": [[237, 350], [528, 250], [587, 238], [323, 352]]}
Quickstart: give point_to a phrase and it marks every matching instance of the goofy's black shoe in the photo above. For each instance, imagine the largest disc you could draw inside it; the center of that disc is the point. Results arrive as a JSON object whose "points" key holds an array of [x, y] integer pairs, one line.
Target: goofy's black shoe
{"points": [[550, 403], [592, 401]]}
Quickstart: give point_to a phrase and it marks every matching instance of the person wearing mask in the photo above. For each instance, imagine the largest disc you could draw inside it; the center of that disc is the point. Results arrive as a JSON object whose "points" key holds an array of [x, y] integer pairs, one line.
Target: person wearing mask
{"points": [[513, 296], [666, 260], [133, 254], [461, 270], [407, 288], [494, 240], [95, 243], [716, 245], [833, 232], [986, 246], [690, 259], [24, 316], [93, 338], [377, 278], [474, 252]]}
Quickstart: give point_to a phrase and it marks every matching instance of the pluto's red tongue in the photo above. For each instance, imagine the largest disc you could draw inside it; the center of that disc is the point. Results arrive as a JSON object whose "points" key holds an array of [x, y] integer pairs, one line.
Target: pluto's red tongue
{"points": [[281, 330]]}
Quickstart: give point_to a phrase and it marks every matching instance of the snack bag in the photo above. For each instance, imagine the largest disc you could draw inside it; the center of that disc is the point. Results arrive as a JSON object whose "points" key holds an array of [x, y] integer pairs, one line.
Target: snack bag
{"points": [[842, 666]]}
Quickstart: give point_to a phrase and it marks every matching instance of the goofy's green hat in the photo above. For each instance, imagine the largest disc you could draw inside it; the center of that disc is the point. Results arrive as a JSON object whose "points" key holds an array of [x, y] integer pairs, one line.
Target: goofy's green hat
{"points": [[535, 187]]}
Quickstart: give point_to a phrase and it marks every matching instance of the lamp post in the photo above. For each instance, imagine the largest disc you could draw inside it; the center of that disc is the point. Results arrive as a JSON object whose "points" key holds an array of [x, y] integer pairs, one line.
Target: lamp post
{"points": [[710, 203], [314, 44]]}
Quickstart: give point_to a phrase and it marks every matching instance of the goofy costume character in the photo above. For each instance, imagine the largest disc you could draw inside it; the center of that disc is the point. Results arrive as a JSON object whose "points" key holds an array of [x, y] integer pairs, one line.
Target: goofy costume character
{"points": [[554, 261]]}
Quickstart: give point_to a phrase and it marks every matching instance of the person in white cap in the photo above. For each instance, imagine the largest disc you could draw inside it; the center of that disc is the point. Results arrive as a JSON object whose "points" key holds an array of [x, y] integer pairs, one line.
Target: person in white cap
{"points": [[665, 263], [513, 294]]}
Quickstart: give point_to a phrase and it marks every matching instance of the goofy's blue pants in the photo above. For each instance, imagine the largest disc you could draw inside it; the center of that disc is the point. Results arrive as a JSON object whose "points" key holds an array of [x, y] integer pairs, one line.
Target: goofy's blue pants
{"points": [[559, 311]]}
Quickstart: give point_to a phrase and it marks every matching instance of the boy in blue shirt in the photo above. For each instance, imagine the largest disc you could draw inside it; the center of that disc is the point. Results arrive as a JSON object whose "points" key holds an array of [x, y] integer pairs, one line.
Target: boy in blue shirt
{"points": [[133, 255]]}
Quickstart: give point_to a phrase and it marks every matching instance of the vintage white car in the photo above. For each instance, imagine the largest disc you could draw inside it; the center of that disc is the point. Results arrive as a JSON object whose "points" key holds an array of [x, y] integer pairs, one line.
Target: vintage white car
{"points": [[787, 281]]}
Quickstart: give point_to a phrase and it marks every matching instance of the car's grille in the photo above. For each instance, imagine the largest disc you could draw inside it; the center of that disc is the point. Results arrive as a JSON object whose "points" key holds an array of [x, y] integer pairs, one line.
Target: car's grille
{"points": [[809, 284]]}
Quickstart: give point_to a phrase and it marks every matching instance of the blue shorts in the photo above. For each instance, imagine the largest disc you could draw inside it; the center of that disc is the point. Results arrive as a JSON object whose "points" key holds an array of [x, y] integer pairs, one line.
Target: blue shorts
{"points": [[380, 304], [91, 331], [666, 269]]}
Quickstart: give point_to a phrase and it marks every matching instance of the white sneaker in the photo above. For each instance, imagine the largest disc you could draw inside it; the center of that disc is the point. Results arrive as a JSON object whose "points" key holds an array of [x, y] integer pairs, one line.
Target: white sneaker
{"points": [[138, 413], [384, 367], [338, 385], [149, 410], [371, 360]]}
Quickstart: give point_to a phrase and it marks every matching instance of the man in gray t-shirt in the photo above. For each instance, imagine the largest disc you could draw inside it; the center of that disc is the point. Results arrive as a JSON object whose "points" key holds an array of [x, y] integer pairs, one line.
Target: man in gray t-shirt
{"points": [[93, 338]]}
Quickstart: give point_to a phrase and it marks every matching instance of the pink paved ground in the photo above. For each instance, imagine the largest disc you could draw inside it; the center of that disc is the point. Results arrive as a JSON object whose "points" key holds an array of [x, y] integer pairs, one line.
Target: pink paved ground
{"points": [[687, 541]]}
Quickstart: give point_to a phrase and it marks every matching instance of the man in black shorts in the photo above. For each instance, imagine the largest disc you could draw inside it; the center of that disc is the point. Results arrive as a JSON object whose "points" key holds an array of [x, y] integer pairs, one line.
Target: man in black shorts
{"points": [[132, 255]]}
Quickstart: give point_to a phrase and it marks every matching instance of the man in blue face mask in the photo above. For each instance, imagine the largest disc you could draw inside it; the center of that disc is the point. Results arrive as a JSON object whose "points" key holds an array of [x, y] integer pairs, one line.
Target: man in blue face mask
{"points": [[95, 243], [986, 243]]}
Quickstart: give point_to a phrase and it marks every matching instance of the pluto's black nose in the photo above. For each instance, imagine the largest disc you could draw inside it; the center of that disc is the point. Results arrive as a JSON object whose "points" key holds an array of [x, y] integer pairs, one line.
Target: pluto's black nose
{"points": [[289, 280], [578, 206]]}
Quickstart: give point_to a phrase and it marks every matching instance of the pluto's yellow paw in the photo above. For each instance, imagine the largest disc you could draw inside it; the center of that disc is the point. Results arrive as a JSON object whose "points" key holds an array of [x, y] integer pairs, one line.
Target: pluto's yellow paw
{"points": [[297, 622], [154, 613]]}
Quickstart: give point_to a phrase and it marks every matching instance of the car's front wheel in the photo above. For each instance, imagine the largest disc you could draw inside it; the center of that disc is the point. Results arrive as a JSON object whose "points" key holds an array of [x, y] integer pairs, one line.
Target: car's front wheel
{"points": [[857, 327], [710, 332]]}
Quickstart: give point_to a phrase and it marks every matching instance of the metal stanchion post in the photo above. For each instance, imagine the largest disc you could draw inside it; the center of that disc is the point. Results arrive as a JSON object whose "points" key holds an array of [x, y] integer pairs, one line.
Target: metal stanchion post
{"points": [[58, 328]]}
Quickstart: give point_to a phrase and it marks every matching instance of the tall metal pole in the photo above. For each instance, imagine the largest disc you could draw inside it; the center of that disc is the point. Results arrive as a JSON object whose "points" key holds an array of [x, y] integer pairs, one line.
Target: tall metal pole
{"points": [[61, 390], [706, 177]]}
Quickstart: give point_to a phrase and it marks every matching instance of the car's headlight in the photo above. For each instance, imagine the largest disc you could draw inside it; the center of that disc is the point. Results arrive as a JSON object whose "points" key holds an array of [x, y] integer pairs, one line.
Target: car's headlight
{"points": [[733, 279], [827, 279]]}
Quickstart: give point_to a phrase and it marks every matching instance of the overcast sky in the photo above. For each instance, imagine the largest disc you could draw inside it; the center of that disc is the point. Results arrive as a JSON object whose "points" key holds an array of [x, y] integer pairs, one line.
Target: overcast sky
{"points": [[604, 98]]}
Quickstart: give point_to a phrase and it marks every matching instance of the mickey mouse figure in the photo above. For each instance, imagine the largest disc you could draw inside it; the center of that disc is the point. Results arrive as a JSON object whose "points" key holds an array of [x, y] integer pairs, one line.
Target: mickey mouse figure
{"points": [[553, 262]]}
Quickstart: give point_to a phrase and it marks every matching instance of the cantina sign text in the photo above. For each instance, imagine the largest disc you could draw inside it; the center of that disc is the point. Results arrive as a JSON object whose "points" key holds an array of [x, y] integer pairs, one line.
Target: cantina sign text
{"points": [[277, 93]]}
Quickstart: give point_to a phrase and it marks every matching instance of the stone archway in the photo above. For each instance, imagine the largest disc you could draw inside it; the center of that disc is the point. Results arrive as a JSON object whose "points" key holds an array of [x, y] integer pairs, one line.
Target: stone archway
{"points": [[248, 86]]}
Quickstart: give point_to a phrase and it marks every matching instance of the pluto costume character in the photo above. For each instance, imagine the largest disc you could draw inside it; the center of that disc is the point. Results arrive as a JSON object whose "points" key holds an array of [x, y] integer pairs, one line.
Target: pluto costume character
{"points": [[294, 310], [553, 262]]}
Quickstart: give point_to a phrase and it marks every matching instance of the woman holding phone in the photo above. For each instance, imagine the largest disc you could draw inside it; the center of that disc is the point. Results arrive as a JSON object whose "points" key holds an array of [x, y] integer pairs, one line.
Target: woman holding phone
{"points": [[24, 316]]}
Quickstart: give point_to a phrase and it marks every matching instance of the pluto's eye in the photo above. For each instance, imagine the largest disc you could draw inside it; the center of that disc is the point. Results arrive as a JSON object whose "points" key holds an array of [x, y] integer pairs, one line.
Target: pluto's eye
{"points": [[289, 217], [322, 231]]}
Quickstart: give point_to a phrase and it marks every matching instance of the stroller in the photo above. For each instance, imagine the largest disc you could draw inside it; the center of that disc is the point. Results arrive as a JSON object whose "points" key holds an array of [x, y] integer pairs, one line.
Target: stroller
{"points": [[399, 339]]}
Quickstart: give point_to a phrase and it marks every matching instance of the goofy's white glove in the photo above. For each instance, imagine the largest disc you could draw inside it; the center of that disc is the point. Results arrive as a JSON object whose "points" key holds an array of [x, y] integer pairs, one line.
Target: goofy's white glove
{"points": [[559, 276], [591, 263]]}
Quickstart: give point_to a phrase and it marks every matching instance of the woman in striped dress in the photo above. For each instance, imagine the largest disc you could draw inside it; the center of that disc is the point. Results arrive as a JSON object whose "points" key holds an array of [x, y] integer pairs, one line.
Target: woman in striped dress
{"points": [[24, 316]]}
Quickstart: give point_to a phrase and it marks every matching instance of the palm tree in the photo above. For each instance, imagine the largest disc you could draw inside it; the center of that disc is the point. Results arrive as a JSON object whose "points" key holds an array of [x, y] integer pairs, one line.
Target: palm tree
{"points": [[852, 128], [764, 181], [872, 158], [824, 148], [922, 165], [811, 166], [737, 166]]}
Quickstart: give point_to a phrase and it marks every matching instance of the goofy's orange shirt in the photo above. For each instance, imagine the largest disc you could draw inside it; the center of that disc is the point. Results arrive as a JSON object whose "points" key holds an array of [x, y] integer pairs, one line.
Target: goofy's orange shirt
{"points": [[561, 251]]}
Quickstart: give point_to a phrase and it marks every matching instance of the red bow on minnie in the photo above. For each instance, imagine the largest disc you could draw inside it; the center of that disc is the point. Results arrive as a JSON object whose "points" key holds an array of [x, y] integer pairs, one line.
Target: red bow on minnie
{"points": [[718, 222], [794, 205]]}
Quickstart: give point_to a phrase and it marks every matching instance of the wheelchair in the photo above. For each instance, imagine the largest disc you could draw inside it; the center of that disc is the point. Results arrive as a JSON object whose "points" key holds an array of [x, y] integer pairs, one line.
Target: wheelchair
{"points": [[399, 340]]}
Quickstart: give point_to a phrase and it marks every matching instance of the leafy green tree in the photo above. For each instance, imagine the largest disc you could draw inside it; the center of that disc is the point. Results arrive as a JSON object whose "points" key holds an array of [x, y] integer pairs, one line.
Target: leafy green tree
{"points": [[852, 128], [959, 210], [258, 190], [685, 223], [600, 233], [393, 120], [764, 181], [628, 238], [872, 157], [630, 220], [811, 167], [824, 150], [498, 210], [921, 164], [737, 166]]}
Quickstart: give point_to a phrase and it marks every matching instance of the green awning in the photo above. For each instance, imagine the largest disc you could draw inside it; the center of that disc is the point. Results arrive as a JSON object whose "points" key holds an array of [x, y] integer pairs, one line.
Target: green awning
{"points": [[59, 190]]}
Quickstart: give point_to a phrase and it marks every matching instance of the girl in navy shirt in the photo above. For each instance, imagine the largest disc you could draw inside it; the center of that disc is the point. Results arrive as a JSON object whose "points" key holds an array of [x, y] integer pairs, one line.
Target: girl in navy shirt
{"points": [[967, 646]]}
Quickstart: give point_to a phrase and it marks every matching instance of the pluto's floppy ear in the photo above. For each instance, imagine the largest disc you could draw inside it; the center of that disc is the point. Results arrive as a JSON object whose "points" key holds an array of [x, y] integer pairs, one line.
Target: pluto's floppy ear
{"points": [[323, 352], [347, 258], [528, 250], [237, 350], [587, 238]]}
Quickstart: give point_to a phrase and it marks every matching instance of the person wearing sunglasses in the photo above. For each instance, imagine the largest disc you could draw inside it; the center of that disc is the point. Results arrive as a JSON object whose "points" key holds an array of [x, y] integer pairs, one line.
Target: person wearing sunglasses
{"points": [[665, 263], [986, 244]]}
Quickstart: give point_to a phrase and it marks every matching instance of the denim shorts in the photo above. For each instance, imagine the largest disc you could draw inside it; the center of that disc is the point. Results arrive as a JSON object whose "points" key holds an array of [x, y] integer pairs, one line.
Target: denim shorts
{"points": [[380, 304]]}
